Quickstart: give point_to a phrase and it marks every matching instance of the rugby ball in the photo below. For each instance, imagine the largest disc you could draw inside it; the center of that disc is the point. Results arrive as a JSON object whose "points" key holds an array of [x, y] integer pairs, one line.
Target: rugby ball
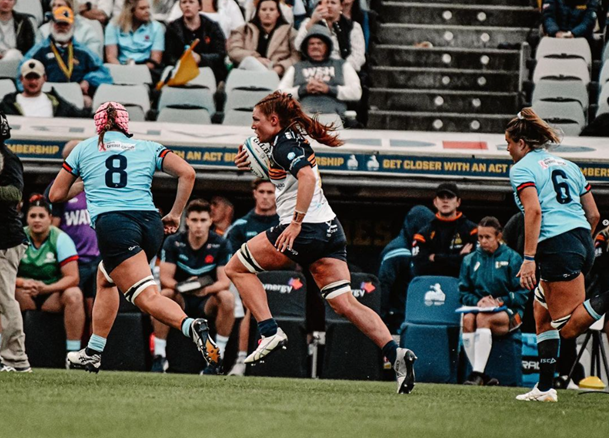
{"points": [[258, 156]]}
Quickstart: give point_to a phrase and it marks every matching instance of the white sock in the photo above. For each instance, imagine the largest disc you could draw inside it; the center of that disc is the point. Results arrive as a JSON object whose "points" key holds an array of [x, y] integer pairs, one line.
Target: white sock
{"points": [[221, 341], [159, 346], [483, 345], [469, 346], [241, 356]]}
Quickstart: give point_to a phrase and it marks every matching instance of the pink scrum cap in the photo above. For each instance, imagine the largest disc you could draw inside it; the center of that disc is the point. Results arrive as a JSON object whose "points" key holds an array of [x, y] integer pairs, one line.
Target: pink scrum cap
{"points": [[122, 116]]}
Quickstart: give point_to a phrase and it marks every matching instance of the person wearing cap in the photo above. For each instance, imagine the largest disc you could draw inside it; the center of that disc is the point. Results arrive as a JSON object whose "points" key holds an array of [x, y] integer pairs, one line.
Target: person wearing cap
{"points": [[84, 31], [33, 102], [439, 248], [67, 60], [16, 32], [322, 84]]}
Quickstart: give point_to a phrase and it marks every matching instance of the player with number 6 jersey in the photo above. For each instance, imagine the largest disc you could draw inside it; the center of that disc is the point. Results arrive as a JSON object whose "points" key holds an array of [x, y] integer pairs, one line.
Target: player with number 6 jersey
{"points": [[117, 172], [559, 215]]}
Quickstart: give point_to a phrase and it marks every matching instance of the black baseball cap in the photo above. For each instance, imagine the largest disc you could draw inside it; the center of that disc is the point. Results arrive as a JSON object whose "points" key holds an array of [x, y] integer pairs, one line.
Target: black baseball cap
{"points": [[449, 188]]}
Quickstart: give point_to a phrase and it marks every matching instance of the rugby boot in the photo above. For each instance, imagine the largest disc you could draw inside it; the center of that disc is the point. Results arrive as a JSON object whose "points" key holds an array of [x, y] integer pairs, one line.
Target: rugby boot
{"points": [[266, 345], [404, 370]]}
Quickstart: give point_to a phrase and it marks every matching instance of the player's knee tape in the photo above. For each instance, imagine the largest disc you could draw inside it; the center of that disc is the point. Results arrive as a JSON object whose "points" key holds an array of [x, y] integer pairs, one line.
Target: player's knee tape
{"points": [[102, 268], [335, 289], [245, 256], [133, 292], [559, 323], [540, 296]]}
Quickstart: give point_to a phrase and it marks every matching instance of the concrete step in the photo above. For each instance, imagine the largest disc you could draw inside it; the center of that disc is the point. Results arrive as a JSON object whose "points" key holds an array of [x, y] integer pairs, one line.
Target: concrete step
{"points": [[532, 3], [458, 14], [443, 78], [445, 57], [445, 101], [451, 36], [443, 122]]}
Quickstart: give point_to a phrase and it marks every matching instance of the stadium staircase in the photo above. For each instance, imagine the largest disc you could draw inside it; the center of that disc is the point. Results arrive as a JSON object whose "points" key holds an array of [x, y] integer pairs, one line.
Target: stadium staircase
{"points": [[465, 82]]}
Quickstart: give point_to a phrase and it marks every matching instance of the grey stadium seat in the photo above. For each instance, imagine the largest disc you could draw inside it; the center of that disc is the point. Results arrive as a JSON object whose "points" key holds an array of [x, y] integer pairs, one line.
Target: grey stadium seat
{"points": [[550, 68], [237, 117], [561, 113], [564, 48], [129, 74], [128, 95], [205, 79], [70, 91], [606, 53], [561, 90], [603, 104], [244, 99], [604, 76], [190, 116], [7, 86], [9, 69], [184, 97], [251, 80]]}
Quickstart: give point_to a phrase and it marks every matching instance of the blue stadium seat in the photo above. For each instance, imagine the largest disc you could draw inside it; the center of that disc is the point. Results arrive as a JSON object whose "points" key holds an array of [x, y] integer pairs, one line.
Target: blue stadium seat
{"points": [[432, 327]]}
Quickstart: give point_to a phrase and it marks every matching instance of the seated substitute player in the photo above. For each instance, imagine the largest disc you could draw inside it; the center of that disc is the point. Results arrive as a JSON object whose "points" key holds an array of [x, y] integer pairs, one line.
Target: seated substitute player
{"points": [[47, 279], [197, 254], [262, 217], [488, 279], [309, 234], [117, 173]]}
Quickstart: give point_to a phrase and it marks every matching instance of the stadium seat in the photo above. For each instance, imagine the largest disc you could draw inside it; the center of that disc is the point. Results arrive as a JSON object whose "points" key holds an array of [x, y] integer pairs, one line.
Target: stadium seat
{"points": [[205, 79], [244, 99], [129, 74], [190, 116], [127, 348], [286, 293], [30, 7], [561, 90], [606, 53], [45, 339], [237, 117], [9, 69], [326, 119], [550, 68], [251, 80], [187, 98], [134, 95], [432, 327], [348, 353], [69, 91], [561, 113], [604, 75], [505, 361], [603, 101], [564, 48], [7, 86]]}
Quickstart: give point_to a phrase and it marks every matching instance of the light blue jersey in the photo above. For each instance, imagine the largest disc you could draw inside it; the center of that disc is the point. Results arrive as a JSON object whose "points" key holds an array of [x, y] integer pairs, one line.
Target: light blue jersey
{"points": [[559, 183], [118, 175]]}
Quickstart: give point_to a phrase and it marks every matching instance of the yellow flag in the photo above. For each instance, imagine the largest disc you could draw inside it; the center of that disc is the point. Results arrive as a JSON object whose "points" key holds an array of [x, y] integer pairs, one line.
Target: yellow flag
{"points": [[186, 70]]}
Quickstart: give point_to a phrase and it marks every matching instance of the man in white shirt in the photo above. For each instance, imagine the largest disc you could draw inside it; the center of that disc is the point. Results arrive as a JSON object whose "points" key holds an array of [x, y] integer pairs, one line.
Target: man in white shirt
{"points": [[33, 102]]}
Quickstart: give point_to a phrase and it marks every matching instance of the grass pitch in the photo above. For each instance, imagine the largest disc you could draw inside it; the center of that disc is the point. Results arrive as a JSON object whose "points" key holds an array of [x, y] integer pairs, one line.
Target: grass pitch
{"points": [[58, 403]]}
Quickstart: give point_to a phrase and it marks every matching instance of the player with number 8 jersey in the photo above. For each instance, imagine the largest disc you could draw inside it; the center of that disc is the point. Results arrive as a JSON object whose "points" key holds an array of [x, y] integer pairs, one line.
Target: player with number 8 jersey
{"points": [[117, 173]]}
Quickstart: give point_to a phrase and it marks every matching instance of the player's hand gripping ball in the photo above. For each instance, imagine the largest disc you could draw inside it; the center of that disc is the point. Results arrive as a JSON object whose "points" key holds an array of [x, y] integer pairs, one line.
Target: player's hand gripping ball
{"points": [[258, 157]]}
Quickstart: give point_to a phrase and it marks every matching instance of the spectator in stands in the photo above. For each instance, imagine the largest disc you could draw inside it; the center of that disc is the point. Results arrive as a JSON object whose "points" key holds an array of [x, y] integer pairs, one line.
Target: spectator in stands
{"points": [[197, 255], [222, 214], [352, 9], [73, 219], [266, 42], [33, 102], [47, 279], [17, 33], [251, 6], [439, 248], [261, 218], [13, 244], [99, 10], [224, 12], [211, 49], [569, 18], [84, 32], [134, 38], [322, 84], [66, 60], [395, 271], [348, 41], [488, 279]]}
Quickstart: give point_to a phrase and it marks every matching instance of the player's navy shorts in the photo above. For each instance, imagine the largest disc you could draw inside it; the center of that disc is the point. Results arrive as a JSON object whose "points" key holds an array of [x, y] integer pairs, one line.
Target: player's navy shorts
{"points": [[123, 234], [564, 257], [315, 241]]}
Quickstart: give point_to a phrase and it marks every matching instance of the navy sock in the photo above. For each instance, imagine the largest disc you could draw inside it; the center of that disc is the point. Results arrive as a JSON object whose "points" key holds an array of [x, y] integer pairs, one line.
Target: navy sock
{"points": [[548, 344], [390, 351], [600, 304], [268, 327]]}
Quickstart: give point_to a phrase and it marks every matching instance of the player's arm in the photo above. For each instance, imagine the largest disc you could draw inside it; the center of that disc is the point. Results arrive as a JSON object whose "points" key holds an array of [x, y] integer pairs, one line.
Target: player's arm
{"points": [[65, 187], [69, 278], [180, 169], [222, 282], [532, 229], [591, 210], [167, 272]]}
